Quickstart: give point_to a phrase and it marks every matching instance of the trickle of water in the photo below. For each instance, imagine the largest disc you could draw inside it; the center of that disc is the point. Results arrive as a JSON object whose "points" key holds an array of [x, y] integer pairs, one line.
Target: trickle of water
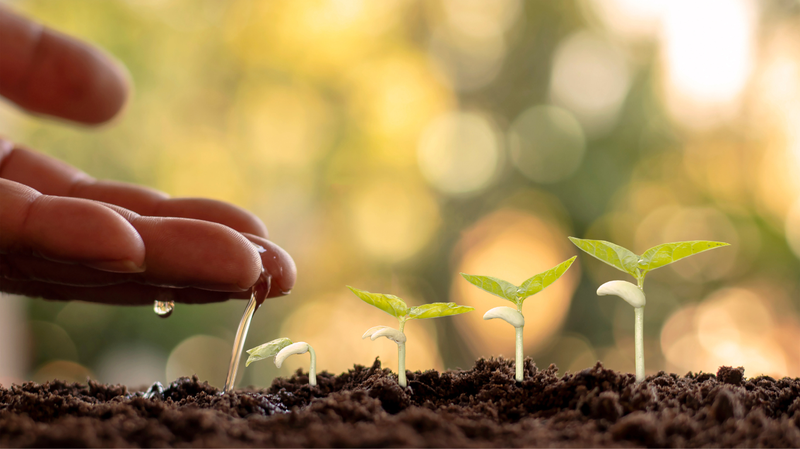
{"points": [[164, 308], [260, 292]]}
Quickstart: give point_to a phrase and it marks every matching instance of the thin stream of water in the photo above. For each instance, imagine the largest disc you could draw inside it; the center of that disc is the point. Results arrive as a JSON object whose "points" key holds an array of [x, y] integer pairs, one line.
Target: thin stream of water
{"points": [[260, 292]]}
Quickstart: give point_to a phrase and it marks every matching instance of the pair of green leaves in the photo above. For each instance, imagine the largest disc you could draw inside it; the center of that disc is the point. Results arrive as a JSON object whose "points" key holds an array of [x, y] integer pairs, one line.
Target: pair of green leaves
{"points": [[397, 307], [517, 295], [267, 350], [656, 257]]}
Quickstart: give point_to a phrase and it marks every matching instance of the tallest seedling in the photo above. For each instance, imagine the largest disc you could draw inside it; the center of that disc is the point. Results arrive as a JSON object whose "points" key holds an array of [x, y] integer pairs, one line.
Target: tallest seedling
{"points": [[638, 267]]}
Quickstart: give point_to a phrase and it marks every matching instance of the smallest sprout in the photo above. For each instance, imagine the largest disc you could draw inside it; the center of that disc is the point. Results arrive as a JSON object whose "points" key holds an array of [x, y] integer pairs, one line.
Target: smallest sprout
{"points": [[281, 349]]}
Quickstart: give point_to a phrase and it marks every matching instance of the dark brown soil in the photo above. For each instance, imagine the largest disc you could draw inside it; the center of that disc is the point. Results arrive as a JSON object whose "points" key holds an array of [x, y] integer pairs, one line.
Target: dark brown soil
{"points": [[365, 407]]}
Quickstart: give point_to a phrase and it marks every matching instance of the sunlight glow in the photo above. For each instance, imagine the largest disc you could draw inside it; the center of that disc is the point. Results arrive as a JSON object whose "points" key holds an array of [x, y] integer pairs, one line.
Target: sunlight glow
{"points": [[708, 52]]}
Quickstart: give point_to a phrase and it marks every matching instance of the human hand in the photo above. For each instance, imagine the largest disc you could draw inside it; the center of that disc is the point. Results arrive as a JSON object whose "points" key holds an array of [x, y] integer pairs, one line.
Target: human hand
{"points": [[65, 235]]}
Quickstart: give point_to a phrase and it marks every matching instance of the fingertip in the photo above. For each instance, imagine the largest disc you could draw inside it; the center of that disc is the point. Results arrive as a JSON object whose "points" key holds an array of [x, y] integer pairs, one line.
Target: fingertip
{"points": [[107, 90], [278, 264], [47, 72]]}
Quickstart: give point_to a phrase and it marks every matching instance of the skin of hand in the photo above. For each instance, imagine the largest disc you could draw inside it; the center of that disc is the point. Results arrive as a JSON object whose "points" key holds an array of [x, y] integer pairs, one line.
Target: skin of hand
{"points": [[67, 236]]}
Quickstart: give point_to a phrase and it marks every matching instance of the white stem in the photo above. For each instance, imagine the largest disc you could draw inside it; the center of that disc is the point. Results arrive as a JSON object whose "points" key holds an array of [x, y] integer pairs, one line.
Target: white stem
{"points": [[401, 363], [639, 342], [519, 360], [312, 370]]}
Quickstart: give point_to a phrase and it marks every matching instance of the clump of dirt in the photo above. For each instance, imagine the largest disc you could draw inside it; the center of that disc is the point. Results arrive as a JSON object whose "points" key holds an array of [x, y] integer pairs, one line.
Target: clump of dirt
{"points": [[483, 406]]}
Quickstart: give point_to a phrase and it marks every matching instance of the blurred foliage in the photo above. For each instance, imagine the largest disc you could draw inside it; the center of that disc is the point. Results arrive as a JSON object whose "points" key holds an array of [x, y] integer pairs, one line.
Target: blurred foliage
{"points": [[391, 144]]}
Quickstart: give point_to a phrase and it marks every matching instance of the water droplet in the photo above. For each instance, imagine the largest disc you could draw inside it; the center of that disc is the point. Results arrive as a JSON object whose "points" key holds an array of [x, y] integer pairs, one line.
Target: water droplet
{"points": [[164, 308], [260, 248]]}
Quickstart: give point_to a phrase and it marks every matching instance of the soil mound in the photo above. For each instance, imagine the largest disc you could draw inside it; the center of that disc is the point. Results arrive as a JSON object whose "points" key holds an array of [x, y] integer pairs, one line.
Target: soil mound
{"points": [[483, 406]]}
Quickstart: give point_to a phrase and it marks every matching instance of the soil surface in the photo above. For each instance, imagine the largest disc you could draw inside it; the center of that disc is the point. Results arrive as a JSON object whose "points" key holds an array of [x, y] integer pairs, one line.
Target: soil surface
{"points": [[365, 407]]}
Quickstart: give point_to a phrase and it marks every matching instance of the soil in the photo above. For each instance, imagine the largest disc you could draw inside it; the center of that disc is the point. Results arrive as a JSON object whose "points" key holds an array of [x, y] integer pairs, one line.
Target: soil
{"points": [[365, 407]]}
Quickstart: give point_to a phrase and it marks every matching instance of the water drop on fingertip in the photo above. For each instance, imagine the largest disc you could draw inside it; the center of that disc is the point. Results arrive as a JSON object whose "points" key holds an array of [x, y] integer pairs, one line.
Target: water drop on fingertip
{"points": [[163, 308]]}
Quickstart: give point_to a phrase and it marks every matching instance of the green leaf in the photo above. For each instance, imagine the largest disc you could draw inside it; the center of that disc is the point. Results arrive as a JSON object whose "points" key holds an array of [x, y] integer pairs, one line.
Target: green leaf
{"points": [[616, 256], [388, 303], [542, 280], [497, 287], [665, 254], [436, 310], [267, 350]]}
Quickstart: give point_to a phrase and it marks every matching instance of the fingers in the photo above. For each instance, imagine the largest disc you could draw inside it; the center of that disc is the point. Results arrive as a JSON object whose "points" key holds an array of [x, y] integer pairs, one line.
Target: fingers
{"points": [[53, 177], [25, 268], [47, 72], [122, 294], [66, 230], [184, 252]]}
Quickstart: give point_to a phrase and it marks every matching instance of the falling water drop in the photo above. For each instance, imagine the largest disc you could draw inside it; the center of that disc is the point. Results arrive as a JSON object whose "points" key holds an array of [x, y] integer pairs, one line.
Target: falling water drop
{"points": [[164, 308], [260, 292]]}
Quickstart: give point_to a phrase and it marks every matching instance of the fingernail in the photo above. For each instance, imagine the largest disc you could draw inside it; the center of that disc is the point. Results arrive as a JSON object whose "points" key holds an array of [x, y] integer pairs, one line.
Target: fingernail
{"points": [[117, 266]]}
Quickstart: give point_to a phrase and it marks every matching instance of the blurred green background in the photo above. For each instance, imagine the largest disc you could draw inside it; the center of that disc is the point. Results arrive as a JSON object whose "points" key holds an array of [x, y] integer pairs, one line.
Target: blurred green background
{"points": [[391, 144]]}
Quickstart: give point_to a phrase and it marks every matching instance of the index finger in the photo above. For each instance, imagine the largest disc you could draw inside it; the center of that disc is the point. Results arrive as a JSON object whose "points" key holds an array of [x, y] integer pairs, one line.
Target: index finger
{"points": [[47, 72]]}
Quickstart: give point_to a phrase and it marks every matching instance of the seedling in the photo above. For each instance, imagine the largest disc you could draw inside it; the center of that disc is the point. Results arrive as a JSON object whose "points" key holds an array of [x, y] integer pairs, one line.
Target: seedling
{"points": [[638, 267], [517, 295], [397, 308], [281, 348]]}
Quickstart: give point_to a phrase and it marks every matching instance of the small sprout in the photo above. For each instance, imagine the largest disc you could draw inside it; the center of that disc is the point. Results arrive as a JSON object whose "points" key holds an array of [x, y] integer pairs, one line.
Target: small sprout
{"points": [[397, 308], [638, 266], [517, 295], [281, 349]]}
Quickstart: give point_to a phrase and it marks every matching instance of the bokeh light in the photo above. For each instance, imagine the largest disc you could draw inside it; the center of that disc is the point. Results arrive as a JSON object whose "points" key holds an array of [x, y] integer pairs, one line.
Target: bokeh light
{"points": [[392, 220], [459, 152], [590, 78], [733, 326], [202, 355], [547, 144]]}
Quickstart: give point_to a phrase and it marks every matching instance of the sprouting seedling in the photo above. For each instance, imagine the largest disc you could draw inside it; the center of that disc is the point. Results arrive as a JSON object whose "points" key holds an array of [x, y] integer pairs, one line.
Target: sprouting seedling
{"points": [[638, 267], [281, 349], [517, 295], [397, 308]]}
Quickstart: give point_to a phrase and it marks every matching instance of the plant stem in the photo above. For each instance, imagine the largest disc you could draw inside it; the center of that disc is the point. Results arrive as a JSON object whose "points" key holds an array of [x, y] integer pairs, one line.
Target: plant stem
{"points": [[312, 370], [639, 342], [401, 364], [401, 358], [518, 360]]}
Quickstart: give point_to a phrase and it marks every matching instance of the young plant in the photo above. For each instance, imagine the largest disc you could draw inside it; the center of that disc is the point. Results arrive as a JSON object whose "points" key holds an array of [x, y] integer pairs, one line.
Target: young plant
{"points": [[281, 348], [517, 295], [638, 267], [397, 308]]}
